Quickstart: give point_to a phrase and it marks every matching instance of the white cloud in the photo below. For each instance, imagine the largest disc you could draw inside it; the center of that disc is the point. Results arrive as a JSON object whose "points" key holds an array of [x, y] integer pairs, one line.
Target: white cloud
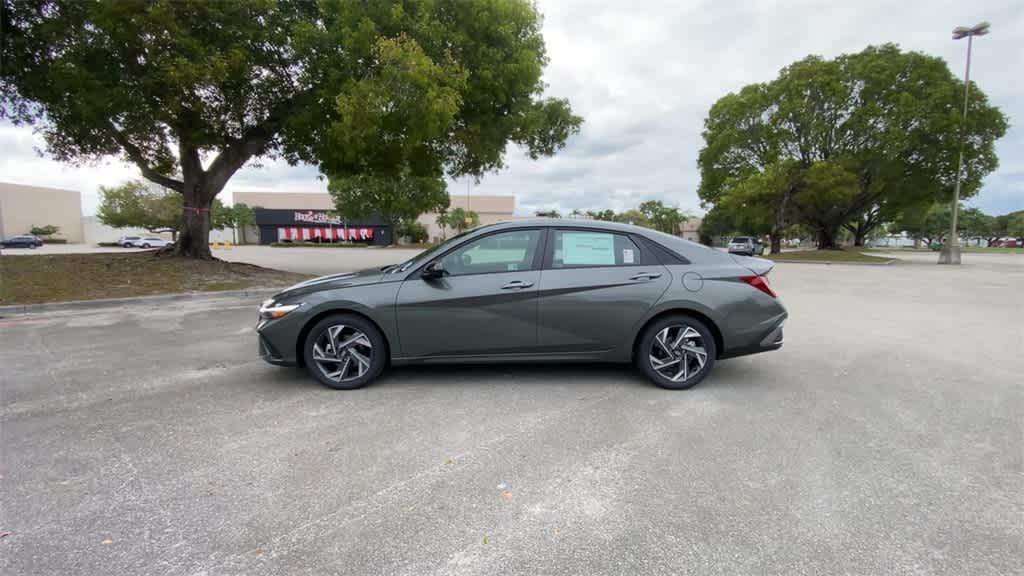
{"points": [[644, 73]]}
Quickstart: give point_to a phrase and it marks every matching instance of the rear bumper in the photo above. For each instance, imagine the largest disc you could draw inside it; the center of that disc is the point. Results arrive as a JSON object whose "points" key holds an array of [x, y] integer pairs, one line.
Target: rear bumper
{"points": [[766, 341]]}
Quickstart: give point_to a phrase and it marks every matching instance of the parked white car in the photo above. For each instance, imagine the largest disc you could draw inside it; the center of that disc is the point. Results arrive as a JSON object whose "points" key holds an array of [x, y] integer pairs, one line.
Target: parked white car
{"points": [[143, 242]]}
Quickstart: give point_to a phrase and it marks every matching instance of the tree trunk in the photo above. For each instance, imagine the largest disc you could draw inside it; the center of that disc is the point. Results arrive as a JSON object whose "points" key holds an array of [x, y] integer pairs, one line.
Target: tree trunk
{"points": [[827, 239], [195, 227], [859, 237], [776, 243]]}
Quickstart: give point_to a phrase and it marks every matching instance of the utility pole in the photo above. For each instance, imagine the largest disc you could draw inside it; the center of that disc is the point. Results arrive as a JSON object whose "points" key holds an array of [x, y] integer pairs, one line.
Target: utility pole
{"points": [[950, 253]]}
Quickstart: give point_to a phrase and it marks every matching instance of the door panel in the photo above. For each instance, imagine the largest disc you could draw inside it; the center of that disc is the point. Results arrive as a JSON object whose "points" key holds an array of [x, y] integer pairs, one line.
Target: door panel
{"points": [[478, 314], [594, 309]]}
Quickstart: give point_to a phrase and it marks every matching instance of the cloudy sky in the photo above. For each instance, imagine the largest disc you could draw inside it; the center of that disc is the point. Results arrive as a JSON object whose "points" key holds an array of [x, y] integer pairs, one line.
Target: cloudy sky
{"points": [[643, 74]]}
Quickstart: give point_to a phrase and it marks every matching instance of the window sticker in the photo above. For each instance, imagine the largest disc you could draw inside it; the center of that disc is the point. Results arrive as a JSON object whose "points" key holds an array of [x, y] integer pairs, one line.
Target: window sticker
{"points": [[587, 249], [627, 256]]}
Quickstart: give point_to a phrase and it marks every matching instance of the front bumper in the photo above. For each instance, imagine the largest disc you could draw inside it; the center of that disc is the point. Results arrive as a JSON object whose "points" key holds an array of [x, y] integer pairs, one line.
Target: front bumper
{"points": [[270, 354]]}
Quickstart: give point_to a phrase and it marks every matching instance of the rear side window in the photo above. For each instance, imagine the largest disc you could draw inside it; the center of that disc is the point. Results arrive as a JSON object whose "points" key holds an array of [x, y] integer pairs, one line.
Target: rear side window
{"points": [[591, 248]]}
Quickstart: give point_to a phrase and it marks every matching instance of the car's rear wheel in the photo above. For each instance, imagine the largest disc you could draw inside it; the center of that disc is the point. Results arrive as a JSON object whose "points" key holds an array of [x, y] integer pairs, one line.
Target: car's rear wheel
{"points": [[677, 352], [344, 351], [145, 245]]}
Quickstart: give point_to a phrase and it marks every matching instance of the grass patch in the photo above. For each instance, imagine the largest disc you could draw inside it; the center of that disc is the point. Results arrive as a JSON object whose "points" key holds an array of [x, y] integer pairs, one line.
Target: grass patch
{"points": [[63, 277], [838, 256]]}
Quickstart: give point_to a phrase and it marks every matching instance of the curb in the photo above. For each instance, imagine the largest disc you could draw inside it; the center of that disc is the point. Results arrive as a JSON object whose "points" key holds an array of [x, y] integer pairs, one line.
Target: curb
{"points": [[837, 263], [99, 304]]}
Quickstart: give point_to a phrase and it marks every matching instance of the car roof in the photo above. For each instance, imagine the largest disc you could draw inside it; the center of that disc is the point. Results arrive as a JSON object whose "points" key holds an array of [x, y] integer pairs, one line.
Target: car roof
{"points": [[569, 223], [693, 251]]}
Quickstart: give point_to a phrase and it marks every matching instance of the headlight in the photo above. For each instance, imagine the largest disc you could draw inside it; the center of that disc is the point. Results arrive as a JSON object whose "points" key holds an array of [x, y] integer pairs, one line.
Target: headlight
{"points": [[270, 309]]}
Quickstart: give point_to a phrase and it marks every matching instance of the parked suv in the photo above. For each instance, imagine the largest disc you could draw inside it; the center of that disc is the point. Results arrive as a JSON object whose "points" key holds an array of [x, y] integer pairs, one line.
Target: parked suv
{"points": [[746, 245]]}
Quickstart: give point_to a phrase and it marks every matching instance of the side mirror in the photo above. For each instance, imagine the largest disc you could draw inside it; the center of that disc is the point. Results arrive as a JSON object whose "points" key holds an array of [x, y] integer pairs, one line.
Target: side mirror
{"points": [[433, 271]]}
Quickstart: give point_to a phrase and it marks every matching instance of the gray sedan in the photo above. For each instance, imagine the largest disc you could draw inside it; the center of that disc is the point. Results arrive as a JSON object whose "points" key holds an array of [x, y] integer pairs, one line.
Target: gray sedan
{"points": [[532, 290]]}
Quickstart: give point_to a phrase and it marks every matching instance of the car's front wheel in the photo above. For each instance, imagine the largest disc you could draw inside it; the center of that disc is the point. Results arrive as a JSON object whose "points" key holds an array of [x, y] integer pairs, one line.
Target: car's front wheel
{"points": [[676, 352], [345, 351]]}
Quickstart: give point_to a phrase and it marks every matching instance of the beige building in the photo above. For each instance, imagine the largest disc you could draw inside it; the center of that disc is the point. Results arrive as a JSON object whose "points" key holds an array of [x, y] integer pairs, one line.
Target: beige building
{"points": [[22, 207], [690, 229], [491, 209]]}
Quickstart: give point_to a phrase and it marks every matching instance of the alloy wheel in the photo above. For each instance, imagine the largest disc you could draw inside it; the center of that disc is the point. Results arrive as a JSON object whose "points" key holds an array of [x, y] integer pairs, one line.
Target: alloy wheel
{"points": [[678, 353], [342, 353]]}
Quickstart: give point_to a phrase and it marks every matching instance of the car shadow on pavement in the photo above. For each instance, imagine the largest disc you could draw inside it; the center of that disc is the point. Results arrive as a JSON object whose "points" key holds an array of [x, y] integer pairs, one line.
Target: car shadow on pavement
{"points": [[512, 374], [726, 375]]}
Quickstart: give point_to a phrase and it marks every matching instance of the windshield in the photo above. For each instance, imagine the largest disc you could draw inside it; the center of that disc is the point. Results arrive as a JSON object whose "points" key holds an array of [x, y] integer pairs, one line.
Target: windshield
{"points": [[740, 240], [425, 255]]}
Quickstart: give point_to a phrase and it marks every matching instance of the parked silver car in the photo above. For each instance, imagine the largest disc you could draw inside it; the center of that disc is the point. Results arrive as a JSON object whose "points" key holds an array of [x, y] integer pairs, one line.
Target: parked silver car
{"points": [[142, 242], [746, 245]]}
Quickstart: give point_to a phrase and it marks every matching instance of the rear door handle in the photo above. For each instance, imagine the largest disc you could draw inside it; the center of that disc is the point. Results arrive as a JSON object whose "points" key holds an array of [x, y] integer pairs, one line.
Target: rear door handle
{"points": [[516, 284], [645, 276]]}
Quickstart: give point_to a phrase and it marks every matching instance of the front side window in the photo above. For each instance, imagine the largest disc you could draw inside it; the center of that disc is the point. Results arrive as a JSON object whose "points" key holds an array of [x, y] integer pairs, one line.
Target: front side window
{"points": [[584, 248], [512, 251]]}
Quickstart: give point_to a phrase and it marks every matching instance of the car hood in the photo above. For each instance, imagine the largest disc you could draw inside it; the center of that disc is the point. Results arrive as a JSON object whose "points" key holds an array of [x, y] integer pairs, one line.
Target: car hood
{"points": [[332, 281]]}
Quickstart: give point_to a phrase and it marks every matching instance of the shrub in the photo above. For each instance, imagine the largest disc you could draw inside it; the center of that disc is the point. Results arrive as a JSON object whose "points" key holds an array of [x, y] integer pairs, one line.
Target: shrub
{"points": [[413, 230], [48, 230]]}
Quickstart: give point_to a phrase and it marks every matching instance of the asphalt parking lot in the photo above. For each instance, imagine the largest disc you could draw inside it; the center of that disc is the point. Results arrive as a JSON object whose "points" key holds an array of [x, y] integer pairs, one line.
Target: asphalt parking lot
{"points": [[885, 437]]}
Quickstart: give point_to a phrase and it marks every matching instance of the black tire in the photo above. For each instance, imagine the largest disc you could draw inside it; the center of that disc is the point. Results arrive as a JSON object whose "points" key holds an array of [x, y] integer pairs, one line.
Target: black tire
{"points": [[378, 358], [126, 245], [643, 360], [145, 245]]}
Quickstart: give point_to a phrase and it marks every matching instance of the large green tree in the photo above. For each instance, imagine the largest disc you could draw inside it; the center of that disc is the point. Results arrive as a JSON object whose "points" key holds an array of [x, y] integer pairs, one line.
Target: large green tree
{"points": [[660, 217], [198, 88], [858, 138]]}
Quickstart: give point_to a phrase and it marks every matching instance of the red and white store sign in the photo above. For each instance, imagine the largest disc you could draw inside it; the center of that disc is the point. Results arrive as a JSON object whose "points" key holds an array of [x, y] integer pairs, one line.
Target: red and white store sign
{"points": [[306, 233]]}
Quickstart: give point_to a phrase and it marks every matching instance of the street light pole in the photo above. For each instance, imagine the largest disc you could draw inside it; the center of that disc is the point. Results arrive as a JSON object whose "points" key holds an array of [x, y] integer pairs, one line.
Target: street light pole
{"points": [[950, 253]]}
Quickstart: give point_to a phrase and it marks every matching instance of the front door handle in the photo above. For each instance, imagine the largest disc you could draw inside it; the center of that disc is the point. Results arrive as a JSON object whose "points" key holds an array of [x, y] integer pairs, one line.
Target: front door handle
{"points": [[645, 276], [516, 284]]}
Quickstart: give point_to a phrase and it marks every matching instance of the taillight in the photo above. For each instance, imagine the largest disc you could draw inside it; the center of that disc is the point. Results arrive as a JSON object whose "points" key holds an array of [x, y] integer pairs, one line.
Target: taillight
{"points": [[759, 282]]}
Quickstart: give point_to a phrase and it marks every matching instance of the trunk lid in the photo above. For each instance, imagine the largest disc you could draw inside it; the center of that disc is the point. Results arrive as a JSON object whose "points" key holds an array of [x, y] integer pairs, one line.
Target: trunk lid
{"points": [[759, 266]]}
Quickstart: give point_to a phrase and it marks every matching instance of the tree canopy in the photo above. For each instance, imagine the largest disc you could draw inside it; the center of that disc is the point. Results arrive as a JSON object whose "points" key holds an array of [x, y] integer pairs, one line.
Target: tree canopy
{"points": [[850, 141], [663, 218], [359, 89]]}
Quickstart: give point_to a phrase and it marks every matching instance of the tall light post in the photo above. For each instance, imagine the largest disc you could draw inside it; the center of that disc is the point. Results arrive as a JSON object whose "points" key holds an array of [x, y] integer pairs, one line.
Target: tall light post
{"points": [[950, 253]]}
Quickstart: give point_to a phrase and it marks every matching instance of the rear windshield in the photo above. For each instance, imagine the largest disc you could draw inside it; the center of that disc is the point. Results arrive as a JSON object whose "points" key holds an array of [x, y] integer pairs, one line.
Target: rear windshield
{"points": [[741, 240]]}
